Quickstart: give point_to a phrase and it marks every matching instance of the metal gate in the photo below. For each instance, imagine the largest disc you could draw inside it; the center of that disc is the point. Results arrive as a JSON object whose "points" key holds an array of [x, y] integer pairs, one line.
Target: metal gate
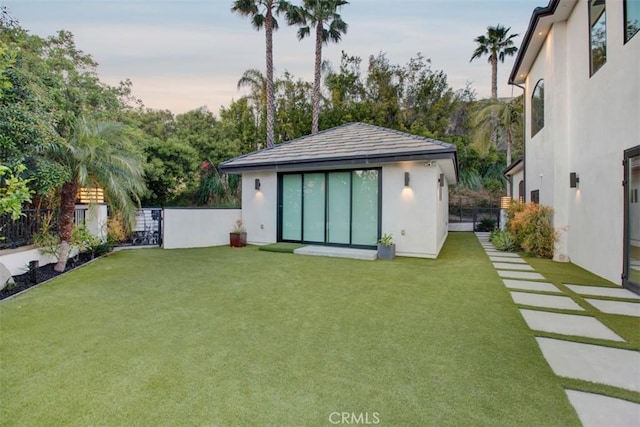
{"points": [[148, 229]]}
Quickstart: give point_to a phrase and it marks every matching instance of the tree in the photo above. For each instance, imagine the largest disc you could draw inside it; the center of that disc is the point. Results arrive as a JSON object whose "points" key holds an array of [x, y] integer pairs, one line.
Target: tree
{"points": [[498, 44], [328, 26], [97, 154], [495, 121], [261, 13], [256, 82], [13, 191]]}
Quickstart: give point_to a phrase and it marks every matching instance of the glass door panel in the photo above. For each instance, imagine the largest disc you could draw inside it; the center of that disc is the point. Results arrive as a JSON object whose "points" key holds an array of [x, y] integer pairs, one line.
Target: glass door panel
{"points": [[364, 216], [313, 212], [338, 207], [292, 207]]}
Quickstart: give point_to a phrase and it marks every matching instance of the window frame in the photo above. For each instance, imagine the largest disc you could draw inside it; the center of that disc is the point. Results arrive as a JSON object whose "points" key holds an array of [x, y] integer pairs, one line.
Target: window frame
{"points": [[590, 5], [628, 37], [537, 108]]}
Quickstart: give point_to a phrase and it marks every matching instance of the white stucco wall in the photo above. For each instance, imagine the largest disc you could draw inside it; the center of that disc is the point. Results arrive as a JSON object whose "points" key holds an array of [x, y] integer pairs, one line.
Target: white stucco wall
{"points": [[96, 219], [197, 227], [417, 210], [589, 122], [259, 208]]}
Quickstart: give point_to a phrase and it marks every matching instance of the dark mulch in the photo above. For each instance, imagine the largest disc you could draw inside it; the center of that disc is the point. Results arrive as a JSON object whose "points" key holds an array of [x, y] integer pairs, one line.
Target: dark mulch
{"points": [[46, 272]]}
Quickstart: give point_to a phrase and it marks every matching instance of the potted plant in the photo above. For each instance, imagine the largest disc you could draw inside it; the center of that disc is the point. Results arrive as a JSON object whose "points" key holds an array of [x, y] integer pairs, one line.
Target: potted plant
{"points": [[238, 237], [386, 247]]}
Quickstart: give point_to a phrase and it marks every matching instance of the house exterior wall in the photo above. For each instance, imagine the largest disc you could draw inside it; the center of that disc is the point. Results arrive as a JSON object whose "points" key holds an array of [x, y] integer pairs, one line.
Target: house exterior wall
{"points": [[589, 122], [260, 208], [417, 210]]}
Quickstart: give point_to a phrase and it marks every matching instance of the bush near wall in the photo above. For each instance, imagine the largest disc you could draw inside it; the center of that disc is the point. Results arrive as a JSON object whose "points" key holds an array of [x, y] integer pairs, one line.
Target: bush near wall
{"points": [[531, 229]]}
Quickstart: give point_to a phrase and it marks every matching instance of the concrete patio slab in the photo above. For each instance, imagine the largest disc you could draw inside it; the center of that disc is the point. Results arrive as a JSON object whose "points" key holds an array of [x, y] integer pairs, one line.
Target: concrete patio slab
{"points": [[616, 307], [507, 259], [568, 324], [330, 251], [545, 301], [511, 266], [530, 286], [526, 275], [601, 291], [595, 410], [612, 366]]}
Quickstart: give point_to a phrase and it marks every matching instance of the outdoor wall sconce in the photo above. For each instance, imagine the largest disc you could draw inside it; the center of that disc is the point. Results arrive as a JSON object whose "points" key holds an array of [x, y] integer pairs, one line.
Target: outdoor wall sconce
{"points": [[441, 180], [406, 179], [257, 184], [574, 180]]}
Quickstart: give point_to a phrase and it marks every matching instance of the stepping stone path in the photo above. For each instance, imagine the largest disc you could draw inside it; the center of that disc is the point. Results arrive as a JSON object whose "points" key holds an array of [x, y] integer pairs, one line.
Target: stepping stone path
{"points": [[589, 362]]}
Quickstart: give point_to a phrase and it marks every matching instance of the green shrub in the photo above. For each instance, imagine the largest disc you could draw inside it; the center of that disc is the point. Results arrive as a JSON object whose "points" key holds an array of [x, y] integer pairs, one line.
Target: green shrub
{"points": [[486, 224], [503, 241], [45, 240], [530, 225], [84, 240]]}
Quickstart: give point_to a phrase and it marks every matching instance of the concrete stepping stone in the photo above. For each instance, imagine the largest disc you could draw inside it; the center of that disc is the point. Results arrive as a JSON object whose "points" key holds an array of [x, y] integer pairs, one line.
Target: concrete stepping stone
{"points": [[507, 259], [511, 266], [568, 324], [596, 410], [601, 291], [526, 275], [616, 307], [530, 286], [503, 254], [545, 301], [596, 363]]}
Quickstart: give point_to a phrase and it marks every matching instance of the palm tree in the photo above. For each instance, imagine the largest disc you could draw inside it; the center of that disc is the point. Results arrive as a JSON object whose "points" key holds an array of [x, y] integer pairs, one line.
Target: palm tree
{"points": [[495, 121], [328, 25], [262, 14], [98, 154], [497, 45]]}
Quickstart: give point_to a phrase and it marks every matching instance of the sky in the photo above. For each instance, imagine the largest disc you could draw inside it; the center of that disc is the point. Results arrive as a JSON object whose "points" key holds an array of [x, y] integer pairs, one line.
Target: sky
{"points": [[184, 54]]}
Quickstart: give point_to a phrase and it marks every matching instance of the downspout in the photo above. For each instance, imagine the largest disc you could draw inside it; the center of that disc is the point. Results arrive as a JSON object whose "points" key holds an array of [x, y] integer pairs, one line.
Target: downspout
{"points": [[524, 143]]}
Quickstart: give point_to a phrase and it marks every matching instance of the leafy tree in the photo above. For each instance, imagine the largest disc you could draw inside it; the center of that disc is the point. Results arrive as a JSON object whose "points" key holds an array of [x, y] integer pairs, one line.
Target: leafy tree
{"points": [[497, 121], [256, 82], [97, 154], [14, 191], [238, 122], [293, 108], [261, 13], [497, 44], [323, 17]]}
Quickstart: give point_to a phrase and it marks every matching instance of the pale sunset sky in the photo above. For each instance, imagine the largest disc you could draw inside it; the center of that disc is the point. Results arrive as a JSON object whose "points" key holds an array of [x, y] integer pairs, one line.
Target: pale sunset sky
{"points": [[183, 54]]}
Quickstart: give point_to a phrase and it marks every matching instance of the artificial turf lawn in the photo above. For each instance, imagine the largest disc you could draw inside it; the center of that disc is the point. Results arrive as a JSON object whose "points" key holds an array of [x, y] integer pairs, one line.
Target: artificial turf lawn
{"points": [[222, 336]]}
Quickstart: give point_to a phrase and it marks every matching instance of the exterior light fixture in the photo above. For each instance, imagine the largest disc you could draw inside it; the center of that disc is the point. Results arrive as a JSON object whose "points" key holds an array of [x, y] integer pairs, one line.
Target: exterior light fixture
{"points": [[505, 202], [87, 195], [406, 179], [574, 180], [257, 184], [441, 180]]}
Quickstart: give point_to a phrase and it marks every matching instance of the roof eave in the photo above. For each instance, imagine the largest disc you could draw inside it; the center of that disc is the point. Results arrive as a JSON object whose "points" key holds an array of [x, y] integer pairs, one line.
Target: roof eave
{"points": [[531, 45], [346, 161]]}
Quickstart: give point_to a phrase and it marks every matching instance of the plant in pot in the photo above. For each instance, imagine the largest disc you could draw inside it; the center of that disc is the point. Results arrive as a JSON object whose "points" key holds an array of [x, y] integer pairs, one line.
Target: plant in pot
{"points": [[386, 247], [238, 237]]}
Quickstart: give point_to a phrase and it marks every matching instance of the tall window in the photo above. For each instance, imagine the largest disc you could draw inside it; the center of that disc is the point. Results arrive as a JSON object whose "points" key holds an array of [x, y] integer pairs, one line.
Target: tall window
{"points": [[537, 108], [631, 18], [597, 34]]}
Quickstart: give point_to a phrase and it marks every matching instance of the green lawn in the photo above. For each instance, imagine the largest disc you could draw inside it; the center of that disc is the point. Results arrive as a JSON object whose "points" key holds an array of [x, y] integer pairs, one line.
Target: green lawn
{"points": [[222, 336]]}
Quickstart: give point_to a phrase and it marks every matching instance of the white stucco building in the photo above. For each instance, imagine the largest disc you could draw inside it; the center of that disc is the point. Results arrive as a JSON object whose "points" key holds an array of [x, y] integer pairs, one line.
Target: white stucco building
{"points": [[579, 65], [348, 185]]}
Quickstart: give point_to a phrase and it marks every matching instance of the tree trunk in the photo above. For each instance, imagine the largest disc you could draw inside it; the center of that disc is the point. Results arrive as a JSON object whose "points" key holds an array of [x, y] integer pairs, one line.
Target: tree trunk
{"points": [[268, 26], [316, 80], [65, 222], [494, 76]]}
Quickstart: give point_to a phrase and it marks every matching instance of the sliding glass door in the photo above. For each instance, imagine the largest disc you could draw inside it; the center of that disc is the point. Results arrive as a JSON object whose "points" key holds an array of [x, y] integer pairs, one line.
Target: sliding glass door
{"points": [[631, 272], [338, 208]]}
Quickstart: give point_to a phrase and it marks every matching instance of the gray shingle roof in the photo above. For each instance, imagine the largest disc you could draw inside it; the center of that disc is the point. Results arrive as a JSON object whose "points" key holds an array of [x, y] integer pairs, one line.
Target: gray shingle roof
{"points": [[349, 144]]}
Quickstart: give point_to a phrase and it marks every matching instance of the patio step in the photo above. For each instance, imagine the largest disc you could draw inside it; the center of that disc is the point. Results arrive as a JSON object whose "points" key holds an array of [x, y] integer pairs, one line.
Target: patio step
{"points": [[337, 252]]}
